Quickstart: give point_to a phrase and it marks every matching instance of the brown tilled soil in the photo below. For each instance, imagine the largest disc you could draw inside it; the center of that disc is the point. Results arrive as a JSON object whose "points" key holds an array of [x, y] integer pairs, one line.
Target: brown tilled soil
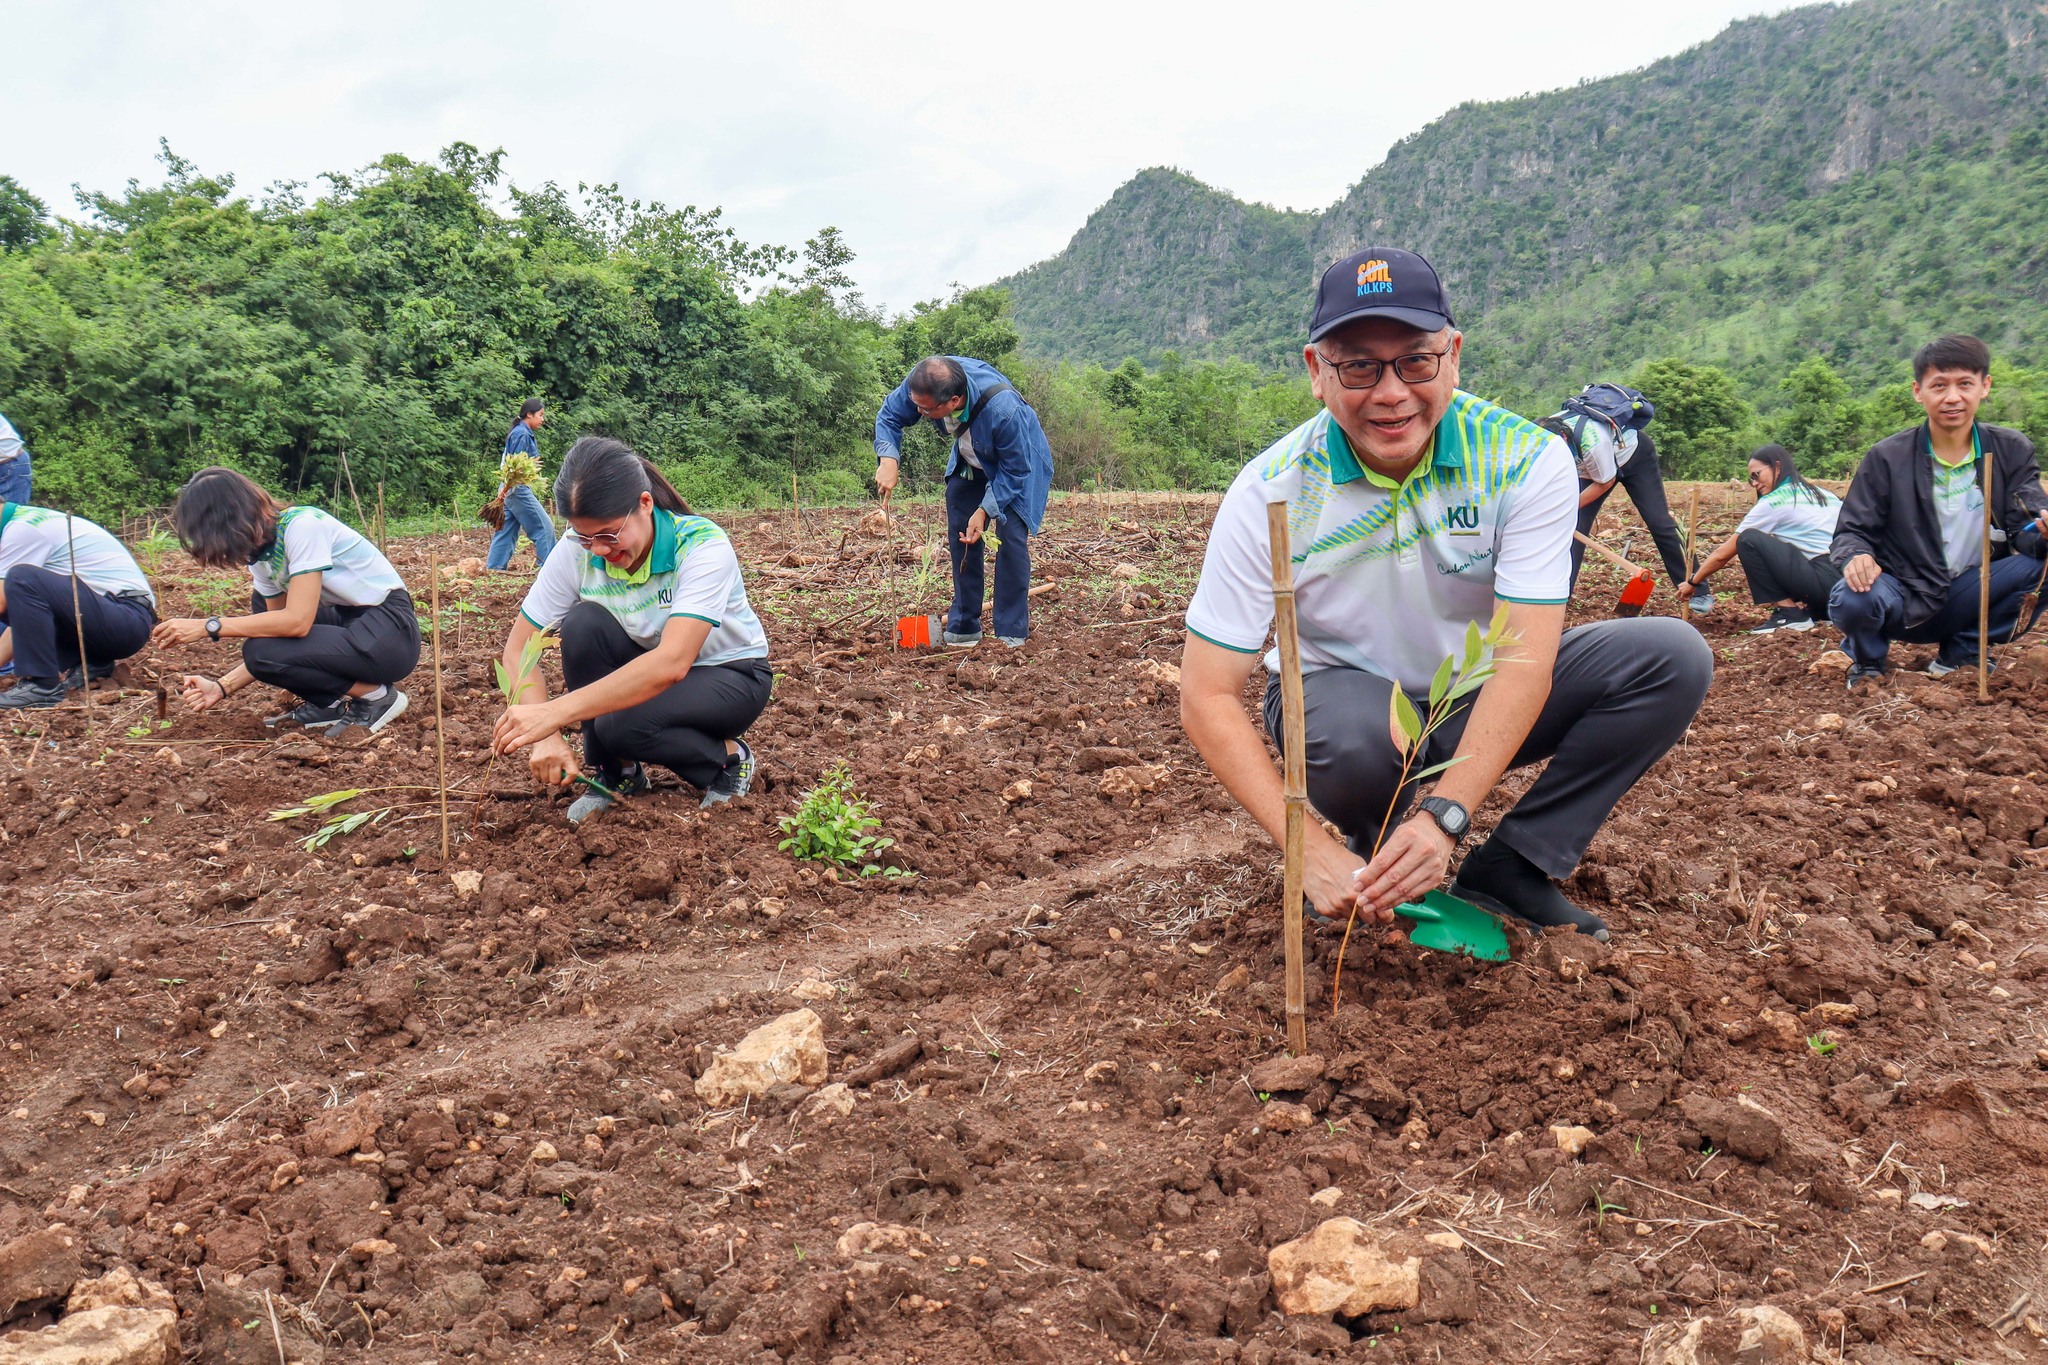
{"points": [[425, 1108]]}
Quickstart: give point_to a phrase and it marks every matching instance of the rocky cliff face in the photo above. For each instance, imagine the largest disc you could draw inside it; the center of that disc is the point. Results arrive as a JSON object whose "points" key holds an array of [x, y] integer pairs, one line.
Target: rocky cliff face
{"points": [[1514, 198]]}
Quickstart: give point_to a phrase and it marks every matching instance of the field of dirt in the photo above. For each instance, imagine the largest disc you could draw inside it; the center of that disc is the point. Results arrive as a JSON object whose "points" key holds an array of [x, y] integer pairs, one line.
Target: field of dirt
{"points": [[366, 1102]]}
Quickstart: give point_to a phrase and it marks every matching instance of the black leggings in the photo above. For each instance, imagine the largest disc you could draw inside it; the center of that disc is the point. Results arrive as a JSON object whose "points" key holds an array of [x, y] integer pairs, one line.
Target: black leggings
{"points": [[683, 729], [346, 646], [1778, 569], [46, 631], [1644, 480]]}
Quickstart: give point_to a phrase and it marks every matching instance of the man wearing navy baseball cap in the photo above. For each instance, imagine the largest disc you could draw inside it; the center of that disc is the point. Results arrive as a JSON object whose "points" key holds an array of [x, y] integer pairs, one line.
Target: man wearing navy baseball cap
{"points": [[1414, 511]]}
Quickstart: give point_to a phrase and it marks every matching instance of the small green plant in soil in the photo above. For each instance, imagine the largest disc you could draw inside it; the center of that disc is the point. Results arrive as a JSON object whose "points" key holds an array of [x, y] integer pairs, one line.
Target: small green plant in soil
{"points": [[833, 826], [509, 688], [1457, 677], [336, 823]]}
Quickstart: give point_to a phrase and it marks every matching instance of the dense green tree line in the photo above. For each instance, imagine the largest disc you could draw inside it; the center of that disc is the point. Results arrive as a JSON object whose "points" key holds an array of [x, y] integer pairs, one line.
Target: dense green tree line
{"points": [[386, 329]]}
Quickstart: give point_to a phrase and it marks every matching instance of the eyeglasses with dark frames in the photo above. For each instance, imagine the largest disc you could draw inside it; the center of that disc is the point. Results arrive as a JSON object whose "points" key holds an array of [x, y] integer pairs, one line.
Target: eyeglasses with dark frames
{"points": [[1366, 374]]}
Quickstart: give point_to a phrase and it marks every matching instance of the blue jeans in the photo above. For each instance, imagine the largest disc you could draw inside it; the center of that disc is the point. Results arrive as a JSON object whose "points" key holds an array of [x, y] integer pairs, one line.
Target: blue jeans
{"points": [[1870, 621], [16, 483], [523, 512], [964, 491]]}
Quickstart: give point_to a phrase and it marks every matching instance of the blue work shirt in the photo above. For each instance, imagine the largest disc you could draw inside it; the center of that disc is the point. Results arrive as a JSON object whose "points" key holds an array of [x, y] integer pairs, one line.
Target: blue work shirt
{"points": [[1007, 440]]}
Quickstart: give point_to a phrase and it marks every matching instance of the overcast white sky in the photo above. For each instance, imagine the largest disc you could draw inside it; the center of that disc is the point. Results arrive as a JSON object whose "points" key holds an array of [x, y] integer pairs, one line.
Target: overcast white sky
{"points": [[949, 142]]}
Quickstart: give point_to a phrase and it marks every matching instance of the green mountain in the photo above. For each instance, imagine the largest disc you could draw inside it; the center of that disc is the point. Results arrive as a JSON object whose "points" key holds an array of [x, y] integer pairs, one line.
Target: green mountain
{"points": [[1837, 180]]}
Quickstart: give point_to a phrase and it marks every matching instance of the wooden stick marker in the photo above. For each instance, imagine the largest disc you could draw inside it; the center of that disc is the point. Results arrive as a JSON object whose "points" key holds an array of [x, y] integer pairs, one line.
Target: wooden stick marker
{"points": [[1294, 755]]}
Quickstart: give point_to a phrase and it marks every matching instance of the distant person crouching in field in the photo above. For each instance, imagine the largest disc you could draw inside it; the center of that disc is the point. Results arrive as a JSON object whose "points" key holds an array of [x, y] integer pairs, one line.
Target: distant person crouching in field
{"points": [[40, 550], [518, 507], [1911, 537], [665, 660], [330, 620], [1783, 542], [1415, 512], [999, 474]]}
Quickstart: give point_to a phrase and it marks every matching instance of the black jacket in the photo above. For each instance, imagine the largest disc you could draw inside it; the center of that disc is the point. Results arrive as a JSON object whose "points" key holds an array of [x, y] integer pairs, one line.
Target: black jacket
{"points": [[1889, 513]]}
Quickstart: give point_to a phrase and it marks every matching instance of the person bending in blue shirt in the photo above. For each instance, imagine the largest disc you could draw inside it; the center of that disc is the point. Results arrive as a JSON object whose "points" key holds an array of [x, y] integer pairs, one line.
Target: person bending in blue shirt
{"points": [[518, 505], [1000, 474]]}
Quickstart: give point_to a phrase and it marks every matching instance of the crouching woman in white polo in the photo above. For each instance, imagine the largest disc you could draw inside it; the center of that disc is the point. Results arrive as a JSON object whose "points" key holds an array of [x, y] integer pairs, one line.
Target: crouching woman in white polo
{"points": [[665, 660], [329, 620]]}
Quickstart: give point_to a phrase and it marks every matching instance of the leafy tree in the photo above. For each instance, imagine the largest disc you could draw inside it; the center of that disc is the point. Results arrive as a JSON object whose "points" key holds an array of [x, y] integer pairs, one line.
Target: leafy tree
{"points": [[1822, 426], [22, 216], [1700, 417]]}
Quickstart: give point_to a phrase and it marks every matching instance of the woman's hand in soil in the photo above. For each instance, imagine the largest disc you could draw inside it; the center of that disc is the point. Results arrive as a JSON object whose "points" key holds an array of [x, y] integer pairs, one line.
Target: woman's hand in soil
{"points": [[528, 723], [1328, 874], [1411, 864], [180, 631], [201, 694], [553, 762]]}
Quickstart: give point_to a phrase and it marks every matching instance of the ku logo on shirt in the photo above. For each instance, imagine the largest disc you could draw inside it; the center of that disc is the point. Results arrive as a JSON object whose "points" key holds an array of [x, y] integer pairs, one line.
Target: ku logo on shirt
{"points": [[1463, 519]]}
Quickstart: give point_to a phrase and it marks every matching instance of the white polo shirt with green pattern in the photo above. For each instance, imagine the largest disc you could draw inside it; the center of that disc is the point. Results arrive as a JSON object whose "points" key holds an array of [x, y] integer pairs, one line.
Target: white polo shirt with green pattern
{"points": [[691, 571], [1387, 576]]}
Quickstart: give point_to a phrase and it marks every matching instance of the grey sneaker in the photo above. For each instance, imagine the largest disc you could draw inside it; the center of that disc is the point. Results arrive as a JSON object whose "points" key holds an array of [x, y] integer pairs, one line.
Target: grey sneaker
{"points": [[1785, 618], [1937, 667], [374, 715], [33, 694], [1702, 602], [1013, 641], [736, 778], [1861, 674], [631, 783], [312, 715], [963, 641]]}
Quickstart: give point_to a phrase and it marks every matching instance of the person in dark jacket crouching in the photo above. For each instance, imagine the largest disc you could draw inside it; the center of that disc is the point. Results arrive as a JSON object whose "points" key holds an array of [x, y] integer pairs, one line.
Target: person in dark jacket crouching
{"points": [[1910, 541], [329, 621]]}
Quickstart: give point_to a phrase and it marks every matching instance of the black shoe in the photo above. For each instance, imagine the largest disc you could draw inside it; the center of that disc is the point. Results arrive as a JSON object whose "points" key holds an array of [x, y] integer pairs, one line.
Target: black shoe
{"points": [[736, 778], [310, 714], [1872, 674], [374, 715], [1495, 877], [33, 694], [1786, 618], [98, 673]]}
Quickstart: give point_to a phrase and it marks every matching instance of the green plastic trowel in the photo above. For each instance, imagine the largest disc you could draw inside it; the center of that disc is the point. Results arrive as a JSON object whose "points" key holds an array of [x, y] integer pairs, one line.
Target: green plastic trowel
{"points": [[1450, 925]]}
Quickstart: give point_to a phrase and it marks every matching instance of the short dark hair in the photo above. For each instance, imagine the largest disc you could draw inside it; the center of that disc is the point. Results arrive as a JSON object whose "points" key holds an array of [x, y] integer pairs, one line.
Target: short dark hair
{"points": [[938, 379], [603, 477], [223, 518], [530, 407], [1952, 352]]}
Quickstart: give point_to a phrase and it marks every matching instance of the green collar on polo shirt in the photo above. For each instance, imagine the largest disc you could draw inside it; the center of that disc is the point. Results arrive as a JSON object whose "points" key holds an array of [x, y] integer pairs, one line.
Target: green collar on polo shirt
{"points": [[661, 559], [1445, 452], [1976, 445], [6, 514]]}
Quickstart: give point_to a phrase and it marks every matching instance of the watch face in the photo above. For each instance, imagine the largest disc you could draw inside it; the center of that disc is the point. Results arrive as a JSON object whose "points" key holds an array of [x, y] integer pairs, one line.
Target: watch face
{"points": [[1450, 817]]}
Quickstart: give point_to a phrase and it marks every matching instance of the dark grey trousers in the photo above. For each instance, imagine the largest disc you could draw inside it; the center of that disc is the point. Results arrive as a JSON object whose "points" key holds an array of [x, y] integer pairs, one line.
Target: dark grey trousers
{"points": [[346, 646], [683, 729], [1623, 692], [1778, 569]]}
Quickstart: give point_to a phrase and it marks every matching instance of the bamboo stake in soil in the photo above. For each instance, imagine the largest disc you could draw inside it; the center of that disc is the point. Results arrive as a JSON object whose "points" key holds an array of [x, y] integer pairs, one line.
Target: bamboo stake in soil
{"points": [[1294, 771], [796, 515], [78, 617], [1984, 597], [440, 741], [380, 516], [1692, 540]]}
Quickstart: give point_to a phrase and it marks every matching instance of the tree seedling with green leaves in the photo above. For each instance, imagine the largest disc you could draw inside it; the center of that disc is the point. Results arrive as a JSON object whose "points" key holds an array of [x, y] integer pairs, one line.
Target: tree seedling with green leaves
{"points": [[1441, 921], [832, 826], [335, 824], [509, 688]]}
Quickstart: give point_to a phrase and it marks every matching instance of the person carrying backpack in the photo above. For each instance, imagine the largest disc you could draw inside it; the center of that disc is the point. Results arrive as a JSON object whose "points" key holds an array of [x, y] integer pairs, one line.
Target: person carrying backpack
{"points": [[1604, 426]]}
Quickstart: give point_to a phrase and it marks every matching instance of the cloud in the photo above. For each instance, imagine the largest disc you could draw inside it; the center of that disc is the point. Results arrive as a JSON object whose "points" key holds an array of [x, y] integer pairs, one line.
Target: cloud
{"points": [[949, 144]]}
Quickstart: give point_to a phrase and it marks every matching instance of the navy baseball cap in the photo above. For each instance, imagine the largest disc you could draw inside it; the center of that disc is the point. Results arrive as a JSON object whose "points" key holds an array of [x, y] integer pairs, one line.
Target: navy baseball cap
{"points": [[1380, 282]]}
